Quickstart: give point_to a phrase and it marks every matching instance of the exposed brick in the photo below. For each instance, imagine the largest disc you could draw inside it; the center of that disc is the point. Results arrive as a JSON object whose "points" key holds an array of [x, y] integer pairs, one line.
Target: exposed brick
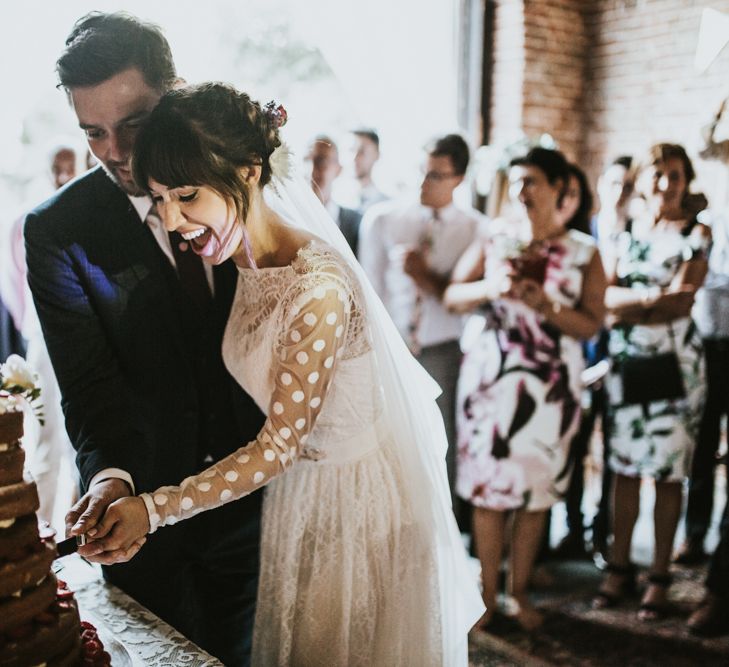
{"points": [[604, 77]]}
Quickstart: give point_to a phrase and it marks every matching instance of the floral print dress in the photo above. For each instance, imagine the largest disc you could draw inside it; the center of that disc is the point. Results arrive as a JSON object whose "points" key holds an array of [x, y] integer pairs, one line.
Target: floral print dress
{"points": [[519, 388], [655, 439]]}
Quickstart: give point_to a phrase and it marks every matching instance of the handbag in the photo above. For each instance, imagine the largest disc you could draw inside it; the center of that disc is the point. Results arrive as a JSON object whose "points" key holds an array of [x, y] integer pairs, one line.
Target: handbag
{"points": [[652, 378]]}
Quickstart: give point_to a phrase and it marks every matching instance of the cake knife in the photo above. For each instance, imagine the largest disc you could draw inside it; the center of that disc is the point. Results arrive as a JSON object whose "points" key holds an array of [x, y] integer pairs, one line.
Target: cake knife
{"points": [[70, 545]]}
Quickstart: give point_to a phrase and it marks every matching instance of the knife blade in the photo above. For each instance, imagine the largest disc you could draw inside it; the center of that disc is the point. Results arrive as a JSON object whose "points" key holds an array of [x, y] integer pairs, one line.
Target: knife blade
{"points": [[70, 545]]}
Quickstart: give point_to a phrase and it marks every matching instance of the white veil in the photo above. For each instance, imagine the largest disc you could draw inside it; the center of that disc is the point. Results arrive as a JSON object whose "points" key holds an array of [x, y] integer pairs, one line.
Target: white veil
{"points": [[412, 415]]}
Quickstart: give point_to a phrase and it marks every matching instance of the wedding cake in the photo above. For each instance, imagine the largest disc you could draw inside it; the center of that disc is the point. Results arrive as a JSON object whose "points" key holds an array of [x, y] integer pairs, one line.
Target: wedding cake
{"points": [[39, 619]]}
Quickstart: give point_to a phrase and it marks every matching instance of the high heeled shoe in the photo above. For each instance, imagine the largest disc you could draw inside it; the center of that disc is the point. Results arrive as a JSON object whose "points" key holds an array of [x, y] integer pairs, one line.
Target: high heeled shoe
{"points": [[521, 610], [606, 598], [655, 611]]}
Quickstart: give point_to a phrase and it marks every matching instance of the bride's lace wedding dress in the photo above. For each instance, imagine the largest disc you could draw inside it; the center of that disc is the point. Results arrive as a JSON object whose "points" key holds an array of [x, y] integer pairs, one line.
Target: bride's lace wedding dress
{"points": [[348, 578]]}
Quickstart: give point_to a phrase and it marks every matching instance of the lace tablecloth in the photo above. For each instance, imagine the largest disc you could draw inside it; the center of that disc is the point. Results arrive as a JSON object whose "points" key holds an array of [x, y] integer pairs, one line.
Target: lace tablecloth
{"points": [[148, 640]]}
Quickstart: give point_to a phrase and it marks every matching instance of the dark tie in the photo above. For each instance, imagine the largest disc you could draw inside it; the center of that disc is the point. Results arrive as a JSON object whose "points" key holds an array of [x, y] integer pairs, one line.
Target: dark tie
{"points": [[191, 272]]}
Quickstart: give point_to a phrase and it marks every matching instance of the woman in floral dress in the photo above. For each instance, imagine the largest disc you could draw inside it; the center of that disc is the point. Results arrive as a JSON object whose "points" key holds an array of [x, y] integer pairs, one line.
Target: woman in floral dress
{"points": [[541, 289], [657, 269]]}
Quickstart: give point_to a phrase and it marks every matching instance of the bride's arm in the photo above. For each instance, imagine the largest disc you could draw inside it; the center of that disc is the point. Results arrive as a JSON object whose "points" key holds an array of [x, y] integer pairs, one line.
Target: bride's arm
{"points": [[310, 343]]}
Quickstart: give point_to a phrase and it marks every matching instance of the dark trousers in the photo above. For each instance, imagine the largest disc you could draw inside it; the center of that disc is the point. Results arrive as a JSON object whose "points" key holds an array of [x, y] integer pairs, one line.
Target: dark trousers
{"points": [[579, 449], [201, 577], [718, 579], [701, 484], [443, 362]]}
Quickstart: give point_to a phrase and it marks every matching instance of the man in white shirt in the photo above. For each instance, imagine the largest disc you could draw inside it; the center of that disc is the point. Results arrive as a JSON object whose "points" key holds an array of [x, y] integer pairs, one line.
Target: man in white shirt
{"points": [[409, 252], [322, 163]]}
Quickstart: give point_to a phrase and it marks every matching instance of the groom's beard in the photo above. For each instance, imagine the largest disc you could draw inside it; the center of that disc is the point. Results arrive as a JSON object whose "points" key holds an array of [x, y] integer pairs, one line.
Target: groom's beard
{"points": [[117, 172]]}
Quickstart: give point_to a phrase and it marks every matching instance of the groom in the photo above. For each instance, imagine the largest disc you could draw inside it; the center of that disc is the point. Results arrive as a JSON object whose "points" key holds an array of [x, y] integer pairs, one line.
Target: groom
{"points": [[133, 324]]}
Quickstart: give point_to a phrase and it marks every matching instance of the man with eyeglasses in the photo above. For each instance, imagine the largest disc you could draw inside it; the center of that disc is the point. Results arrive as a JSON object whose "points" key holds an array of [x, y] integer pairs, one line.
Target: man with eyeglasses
{"points": [[409, 252]]}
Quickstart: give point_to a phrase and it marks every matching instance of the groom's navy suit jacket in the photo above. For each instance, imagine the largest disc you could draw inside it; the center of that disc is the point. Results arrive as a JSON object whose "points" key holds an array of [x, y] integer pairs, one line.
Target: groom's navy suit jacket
{"points": [[140, 370]]}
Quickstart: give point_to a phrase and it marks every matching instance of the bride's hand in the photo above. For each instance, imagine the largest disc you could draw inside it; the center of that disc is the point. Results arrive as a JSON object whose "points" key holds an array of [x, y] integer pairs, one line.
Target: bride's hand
{"points": [[121, 532]]}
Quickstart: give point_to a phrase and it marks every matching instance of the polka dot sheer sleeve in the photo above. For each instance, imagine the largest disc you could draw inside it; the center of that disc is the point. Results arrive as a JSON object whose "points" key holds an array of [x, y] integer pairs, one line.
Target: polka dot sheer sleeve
{"points": [[313, 332]]}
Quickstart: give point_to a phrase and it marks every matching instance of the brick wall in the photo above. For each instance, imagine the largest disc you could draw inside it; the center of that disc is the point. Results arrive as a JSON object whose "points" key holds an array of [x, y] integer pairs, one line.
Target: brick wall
{"points": [[642, 86], [538, 84], [556, 50], [606, 77], [507, 76]]}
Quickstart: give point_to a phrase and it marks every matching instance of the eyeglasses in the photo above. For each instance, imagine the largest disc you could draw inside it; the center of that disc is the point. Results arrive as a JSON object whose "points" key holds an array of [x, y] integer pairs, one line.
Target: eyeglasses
{"points": [[438, 176]]}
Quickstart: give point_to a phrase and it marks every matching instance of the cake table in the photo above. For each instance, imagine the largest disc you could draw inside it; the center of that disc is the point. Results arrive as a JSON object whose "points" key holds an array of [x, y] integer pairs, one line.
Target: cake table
{"points": [[148, 640]]}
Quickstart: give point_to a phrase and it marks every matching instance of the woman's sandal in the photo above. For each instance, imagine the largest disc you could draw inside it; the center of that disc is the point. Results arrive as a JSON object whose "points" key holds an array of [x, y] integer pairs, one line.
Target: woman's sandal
{"points": [[655, 611], [604, 598]]}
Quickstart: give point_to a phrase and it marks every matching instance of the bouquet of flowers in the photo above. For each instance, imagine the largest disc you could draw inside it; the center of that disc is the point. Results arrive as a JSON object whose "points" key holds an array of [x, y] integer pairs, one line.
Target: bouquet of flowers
{"points": [[528, 260], [18, 383]]}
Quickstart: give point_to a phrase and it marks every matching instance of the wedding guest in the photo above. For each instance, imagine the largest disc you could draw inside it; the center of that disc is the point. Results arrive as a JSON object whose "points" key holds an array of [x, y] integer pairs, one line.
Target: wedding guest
{"points": [[575, 210], [366, 154], [63, 165], [711, 314], [322, 159], [573, 213], [615, 190], [541, 288], [142, 407], [656, 384], [408, 252], [61, 168], [49, 452]]}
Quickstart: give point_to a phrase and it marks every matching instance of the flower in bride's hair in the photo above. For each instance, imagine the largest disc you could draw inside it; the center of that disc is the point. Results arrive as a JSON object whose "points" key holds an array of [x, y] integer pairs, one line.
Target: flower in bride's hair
{"points": [[277, 113], [281, 161]]}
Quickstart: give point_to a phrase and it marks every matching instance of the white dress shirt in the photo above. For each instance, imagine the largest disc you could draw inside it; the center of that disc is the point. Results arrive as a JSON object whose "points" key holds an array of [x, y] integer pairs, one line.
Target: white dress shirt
{"points": [[388, 230], [369, 196]]}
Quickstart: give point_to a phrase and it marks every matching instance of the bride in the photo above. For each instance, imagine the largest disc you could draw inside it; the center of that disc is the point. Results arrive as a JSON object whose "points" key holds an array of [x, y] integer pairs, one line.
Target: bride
{"points": [[361, 561]]}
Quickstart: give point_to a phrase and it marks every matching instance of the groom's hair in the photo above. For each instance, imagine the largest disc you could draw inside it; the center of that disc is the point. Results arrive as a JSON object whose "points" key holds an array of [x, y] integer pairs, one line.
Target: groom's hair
{"points": [[102, 45]]}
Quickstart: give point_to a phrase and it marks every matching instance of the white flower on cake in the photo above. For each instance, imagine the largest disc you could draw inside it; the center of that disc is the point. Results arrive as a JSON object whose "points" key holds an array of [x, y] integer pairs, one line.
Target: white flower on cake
{"points": [[7, 404], [15, 372], [18, 381]]}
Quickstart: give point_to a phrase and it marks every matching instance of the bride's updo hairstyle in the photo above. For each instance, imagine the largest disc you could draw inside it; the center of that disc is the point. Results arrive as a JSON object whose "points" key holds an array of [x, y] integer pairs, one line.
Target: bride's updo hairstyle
{"points": [[201, 136]]}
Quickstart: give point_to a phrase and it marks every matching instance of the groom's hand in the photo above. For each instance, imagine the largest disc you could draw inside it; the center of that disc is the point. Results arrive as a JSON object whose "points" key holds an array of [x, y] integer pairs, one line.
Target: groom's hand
{"points": [[120, 534], [87, 512]]}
